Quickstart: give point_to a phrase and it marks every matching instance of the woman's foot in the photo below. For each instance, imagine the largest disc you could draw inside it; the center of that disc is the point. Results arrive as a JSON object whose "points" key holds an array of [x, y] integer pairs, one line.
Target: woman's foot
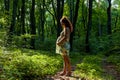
{"points": [[68, 74], [62, 73]]}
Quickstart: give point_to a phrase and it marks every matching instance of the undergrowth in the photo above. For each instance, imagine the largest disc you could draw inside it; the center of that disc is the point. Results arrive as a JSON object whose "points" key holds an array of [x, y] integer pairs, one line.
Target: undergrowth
{"points": [[91, 68], [33, 65], [115, 60]]}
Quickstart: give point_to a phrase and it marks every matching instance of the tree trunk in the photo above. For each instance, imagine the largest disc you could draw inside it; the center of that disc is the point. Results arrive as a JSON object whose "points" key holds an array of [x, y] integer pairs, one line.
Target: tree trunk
{"points": [[14, 13], [99, 27], [87, 41], [18, 22], [71, 7], [99, 22], [74, 18], [109, 18], [32, 24], [7, 9], [7, 5], [60, 6], [83, 15], [58, 18], [39, 24], [43, 19], [23, 17], [54, 15], [116, 20]]}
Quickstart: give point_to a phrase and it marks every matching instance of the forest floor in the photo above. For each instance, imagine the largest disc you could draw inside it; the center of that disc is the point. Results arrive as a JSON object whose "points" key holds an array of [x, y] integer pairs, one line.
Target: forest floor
{"points": [[109, 69], [59, 77]]}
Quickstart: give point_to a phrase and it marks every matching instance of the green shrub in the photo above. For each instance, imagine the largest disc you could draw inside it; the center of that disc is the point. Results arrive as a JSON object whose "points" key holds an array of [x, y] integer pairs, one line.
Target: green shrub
{"points": [[25, 66], [91, 68], [47, 44], [114, 59], [118, 67]]}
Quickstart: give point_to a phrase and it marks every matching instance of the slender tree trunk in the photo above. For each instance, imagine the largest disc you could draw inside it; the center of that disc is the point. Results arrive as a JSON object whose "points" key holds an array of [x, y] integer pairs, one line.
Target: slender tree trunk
{"points": [[60, 6], [14, 13], [116, 20], [74, 23], [109, 18], [58, 18], [71, 9], [99, 22], [18, 22], [99, 27], [109, 30], [39, 24], [7, 5], [83, 15], [43, 19], [32, 24], [23, 17], [87, 41], [7, 9], [54, 15]]}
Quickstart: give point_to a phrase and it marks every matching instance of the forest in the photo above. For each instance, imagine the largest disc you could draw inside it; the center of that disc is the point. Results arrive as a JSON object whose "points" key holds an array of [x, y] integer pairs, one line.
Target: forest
{"points": [[28, 33]]}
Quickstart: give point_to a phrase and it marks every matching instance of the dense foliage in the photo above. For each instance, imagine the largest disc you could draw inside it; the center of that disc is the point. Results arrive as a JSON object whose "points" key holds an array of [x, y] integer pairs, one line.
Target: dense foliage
{"points": [[91, 68], [28, 64], [22, 31]]}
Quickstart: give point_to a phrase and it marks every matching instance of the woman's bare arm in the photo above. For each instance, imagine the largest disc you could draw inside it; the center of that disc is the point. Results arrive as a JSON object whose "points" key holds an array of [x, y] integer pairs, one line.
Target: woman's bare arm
{"points": [[64, 37]]}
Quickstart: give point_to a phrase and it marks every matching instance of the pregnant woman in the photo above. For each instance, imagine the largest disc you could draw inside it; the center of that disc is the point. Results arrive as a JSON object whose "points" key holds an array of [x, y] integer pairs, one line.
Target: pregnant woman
{"points": [[63, 45]]}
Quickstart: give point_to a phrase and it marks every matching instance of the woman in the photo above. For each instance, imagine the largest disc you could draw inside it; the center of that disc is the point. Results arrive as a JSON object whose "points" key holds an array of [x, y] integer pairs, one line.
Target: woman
{"points": [[63, 46]]}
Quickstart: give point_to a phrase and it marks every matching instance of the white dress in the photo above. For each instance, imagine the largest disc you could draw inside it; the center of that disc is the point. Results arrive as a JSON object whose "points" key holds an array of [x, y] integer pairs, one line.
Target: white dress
{"points": [[65, 47]]}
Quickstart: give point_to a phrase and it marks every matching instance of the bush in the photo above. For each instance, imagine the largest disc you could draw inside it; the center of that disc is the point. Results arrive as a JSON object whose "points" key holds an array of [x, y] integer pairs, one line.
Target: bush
{"points": [[114, 59], [47, 44], [25, 66], [91, 68]]}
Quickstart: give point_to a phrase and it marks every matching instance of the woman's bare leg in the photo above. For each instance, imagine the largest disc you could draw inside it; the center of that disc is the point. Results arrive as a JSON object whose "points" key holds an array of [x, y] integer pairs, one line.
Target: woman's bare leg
{"points": [[64, 65], [68, 66]]}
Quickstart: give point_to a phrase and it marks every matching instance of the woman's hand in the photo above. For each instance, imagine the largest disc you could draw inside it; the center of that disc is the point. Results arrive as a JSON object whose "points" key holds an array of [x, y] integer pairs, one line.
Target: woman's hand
{"points": [[58, 44], [58, 41]]}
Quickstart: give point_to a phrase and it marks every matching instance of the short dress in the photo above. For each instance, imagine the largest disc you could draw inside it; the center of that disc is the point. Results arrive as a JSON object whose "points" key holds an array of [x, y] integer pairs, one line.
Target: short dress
{"points": [[64, 48]]}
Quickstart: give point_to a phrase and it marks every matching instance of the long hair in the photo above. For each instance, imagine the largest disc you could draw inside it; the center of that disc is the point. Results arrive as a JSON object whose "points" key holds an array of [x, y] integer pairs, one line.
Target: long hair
{"points": [[67, 23]]}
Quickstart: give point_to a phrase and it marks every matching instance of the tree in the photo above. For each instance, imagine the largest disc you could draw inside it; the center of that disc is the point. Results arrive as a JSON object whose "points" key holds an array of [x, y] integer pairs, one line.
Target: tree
{"points": [[13, 21], [116, 21], [109, 18], [73, 18], [60, 6], [42, 18], [32, 25], [7, 10], [11, 30], [7, 5], [84, 15], [23, 17], [89, 25], [99, 20]]}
